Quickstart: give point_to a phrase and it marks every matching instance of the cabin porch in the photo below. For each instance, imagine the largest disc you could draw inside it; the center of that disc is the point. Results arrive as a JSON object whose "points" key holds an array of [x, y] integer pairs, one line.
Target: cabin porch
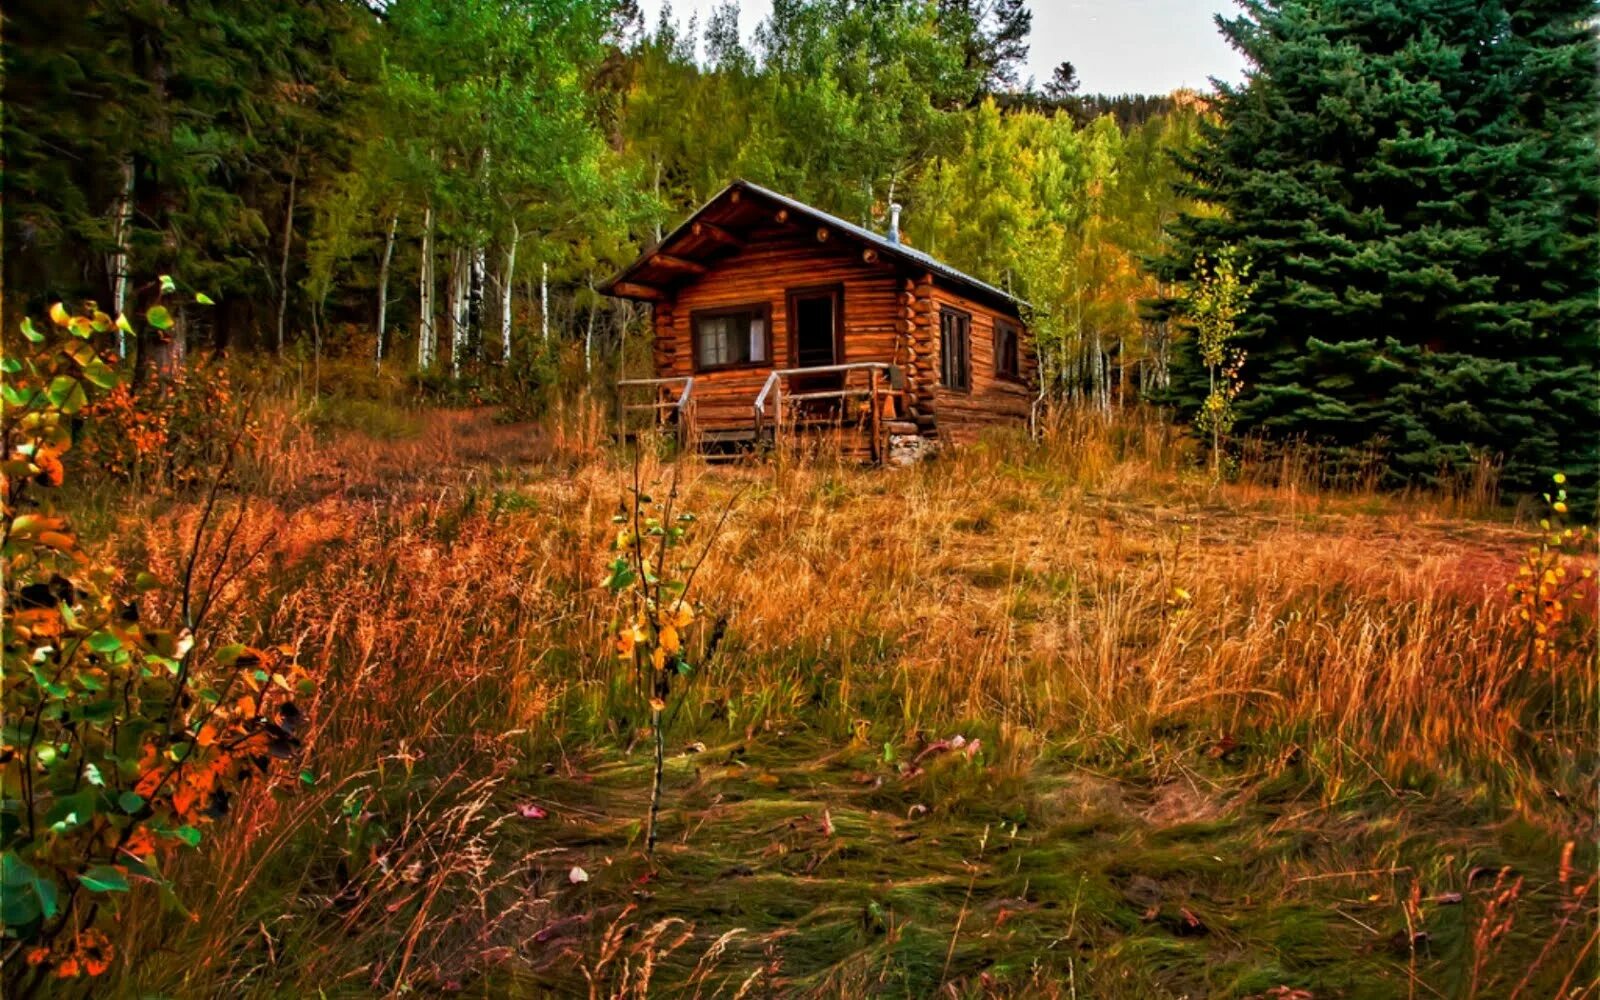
{"points": [[861, 406]]}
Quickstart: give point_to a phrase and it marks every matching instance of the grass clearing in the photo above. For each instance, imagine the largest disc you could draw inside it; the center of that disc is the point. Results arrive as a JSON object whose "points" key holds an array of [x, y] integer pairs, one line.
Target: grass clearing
{"points": [[1212, 742]]}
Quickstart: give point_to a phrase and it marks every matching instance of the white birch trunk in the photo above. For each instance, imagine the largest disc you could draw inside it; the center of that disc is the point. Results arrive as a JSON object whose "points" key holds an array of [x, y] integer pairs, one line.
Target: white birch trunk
{"points": [[283, 263], [506, 286], [1097, 384], [479, 270], [1122, 372], [425, 332], [657, 192], [120, 224], [383, 283], [458, 309], [544, 302], [588, 334]]}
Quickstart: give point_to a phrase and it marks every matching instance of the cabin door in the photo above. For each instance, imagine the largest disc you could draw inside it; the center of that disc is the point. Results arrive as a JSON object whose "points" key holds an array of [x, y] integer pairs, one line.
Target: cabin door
{"points": [[814, 327]]}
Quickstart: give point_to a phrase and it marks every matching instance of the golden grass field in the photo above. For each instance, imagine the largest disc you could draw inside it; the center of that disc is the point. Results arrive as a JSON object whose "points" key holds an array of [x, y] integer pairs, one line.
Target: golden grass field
{"points": [[1256, 740]]}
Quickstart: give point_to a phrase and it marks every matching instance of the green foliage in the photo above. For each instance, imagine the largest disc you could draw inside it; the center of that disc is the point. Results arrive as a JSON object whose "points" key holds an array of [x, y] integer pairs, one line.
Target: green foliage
{"points": [[1552, 591], [1062, 215], [1419, 189], [122, 737], [652, 586], [1216, 299]]}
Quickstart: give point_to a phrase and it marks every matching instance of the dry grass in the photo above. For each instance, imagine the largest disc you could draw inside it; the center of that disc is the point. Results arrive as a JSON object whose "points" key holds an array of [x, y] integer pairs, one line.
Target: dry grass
{"points": [[1227, 735]]}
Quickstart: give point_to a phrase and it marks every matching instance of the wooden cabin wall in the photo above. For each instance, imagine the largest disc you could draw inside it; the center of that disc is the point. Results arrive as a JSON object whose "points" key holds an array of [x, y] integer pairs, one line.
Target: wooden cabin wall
{"points": [[961, 416], [765, 271]]}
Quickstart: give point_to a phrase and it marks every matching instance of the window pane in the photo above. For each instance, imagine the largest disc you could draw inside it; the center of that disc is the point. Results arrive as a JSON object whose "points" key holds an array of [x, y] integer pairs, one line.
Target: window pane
{"points": [[731, 338], [714, 341], [955, 332], [1005, 349]]}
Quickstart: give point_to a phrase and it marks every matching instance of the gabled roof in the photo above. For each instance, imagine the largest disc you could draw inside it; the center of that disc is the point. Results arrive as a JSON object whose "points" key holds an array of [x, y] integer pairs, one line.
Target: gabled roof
{"points": [[674, 258]]}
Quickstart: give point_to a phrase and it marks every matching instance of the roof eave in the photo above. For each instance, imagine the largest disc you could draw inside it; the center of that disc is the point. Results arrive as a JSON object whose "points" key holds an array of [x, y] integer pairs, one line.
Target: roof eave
{"points": [[905, 255]]}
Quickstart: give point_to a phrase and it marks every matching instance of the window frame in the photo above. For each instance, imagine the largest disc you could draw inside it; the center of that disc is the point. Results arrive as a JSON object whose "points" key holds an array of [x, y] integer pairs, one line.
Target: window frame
{"points": [[754, 309], [965, 319], [1013, 371]]}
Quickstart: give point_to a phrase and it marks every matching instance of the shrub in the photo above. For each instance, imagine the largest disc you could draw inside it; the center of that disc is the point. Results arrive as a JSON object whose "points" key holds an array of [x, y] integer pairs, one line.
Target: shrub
{"points": [[652, 587], [171, 432], [122, 736]]}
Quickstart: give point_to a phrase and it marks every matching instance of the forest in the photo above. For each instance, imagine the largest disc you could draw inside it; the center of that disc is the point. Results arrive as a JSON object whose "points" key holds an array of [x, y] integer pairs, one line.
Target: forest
{"points": [[352, 647]]}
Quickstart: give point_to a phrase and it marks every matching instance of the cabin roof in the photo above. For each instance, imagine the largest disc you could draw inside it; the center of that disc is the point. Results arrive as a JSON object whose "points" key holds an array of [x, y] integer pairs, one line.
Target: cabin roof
{"points": [[684, 246]]}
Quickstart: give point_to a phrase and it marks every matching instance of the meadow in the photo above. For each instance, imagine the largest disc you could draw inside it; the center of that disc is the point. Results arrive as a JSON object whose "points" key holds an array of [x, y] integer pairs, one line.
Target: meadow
{"points": [[1056, 718]]}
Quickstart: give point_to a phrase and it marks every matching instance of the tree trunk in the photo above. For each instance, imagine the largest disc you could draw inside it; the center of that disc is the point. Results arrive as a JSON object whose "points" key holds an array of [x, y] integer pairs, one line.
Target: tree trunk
{"points": [[657, 191], [383, 284], [544, 302], [457, 306], [316, 350], [588, 334], [480, 266], [425, 331], [1122, 372], [1097, 385], [283, 261], [506, 286], [121, 223], [152, 203]]}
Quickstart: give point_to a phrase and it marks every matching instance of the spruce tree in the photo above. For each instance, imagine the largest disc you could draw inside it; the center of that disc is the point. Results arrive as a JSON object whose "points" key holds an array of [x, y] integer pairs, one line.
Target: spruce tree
{"points": [[1417, 185]]}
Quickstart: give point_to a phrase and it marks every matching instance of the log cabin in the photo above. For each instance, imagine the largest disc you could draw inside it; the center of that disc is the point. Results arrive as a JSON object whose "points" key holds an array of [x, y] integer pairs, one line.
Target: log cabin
{"points": [[772, 317]]}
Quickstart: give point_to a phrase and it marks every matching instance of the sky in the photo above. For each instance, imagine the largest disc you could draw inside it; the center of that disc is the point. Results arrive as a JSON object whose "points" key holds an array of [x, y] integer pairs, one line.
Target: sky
{"points": [[1118, 46]]}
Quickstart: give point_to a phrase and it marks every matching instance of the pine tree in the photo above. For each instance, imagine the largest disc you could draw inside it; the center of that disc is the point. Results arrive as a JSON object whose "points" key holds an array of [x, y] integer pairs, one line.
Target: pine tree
{"points": [[1418, 185]]}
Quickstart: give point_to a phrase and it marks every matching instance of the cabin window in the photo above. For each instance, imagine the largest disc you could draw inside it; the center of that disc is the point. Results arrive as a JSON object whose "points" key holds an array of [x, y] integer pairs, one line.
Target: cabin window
{"points": [[955, 349], [1007, 362], [732, 338]]}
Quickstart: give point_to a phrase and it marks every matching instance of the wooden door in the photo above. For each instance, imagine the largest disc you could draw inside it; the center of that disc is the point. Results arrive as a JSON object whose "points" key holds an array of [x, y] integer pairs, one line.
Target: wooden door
{"points": [[815, 324]]}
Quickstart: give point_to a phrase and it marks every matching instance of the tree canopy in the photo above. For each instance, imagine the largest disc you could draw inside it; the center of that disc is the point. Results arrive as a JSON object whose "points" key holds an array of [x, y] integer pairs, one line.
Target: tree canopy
{"points": [[1418, 186], [1414, 184]]}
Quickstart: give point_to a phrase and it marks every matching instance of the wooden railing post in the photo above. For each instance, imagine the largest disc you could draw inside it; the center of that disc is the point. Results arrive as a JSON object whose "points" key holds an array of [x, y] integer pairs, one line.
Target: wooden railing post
{"points": [[877, 452]]}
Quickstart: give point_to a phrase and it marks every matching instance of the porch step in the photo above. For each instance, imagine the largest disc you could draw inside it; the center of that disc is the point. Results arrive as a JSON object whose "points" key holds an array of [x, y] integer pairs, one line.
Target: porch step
{"points": [[729, 435]]}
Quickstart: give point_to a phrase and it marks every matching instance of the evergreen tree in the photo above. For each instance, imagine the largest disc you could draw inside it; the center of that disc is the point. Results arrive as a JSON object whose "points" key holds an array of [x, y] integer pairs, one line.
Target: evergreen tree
{"points": [[1418, 186]]}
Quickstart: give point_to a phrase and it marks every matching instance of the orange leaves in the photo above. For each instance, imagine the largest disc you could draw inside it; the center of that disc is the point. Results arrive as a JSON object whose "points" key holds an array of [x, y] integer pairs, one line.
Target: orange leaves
{"points": [[58, 540], [679, 615], [133, 739], [141, 845], [37, 623], [631, 636], [51, 471], [668, 637], [1548, 596], [173, 427], [87, 954]]}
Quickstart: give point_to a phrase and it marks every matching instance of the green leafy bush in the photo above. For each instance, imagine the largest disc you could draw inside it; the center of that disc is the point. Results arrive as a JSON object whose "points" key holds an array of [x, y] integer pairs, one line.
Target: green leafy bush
{"points": [[123, 736]]}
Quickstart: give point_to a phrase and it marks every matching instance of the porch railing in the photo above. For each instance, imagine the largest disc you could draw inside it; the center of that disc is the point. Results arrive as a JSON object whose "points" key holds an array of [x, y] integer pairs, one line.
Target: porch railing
{"points": [[677, 408], [883, 379]]}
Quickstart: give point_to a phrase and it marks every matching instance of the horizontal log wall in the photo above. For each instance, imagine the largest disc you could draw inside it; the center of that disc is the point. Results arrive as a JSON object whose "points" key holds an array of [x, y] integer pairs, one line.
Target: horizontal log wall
{"points": [[992, 400], [764, 272]]}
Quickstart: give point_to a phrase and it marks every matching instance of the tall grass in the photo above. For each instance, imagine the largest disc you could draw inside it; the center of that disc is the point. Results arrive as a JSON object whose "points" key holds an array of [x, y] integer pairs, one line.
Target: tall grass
{"points": [[1089, 596]]}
